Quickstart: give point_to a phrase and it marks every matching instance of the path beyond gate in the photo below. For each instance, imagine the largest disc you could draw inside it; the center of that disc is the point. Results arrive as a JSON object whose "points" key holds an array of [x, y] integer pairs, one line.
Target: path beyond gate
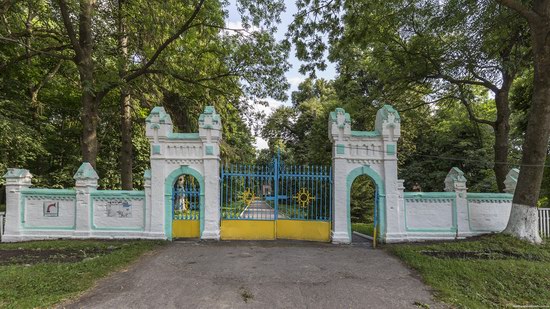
{"points": [[276, 201]]}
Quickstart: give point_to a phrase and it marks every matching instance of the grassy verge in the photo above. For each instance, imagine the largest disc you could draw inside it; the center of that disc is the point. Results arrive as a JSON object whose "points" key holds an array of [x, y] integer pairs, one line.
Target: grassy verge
{"points": [[363, 228], [492, 271], [46, 283]]}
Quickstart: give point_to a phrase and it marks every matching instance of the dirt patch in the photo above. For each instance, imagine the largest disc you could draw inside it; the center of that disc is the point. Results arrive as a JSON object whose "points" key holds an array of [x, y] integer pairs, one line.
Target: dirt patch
{"points": [[34, 256], [479, 255]]}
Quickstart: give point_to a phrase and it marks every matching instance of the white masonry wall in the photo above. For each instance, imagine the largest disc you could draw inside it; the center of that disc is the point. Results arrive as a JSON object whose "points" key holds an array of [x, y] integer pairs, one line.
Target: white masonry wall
{"points": [[454, 214], [82, 212], [406, 216]]}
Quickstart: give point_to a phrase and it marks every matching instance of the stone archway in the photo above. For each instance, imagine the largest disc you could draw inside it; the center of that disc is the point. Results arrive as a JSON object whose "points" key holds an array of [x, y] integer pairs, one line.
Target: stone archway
{"points": [[168, 203], [373, 153], [381, 205]]}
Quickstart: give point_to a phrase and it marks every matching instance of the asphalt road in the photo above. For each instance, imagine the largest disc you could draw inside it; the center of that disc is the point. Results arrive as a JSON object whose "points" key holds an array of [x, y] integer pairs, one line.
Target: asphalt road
{"points": [[253, 274]]}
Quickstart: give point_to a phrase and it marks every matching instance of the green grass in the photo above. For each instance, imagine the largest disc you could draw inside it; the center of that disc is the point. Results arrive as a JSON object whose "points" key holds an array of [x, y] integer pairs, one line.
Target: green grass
{"points": [[363, 228], [2, 207], [45, 284], [520, 279]]}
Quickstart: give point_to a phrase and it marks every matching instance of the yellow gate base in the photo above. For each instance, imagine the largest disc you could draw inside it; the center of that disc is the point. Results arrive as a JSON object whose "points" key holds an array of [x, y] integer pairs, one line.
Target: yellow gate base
{"points": [[186, 229], [265, 230], [247, 230], [303, 230]]}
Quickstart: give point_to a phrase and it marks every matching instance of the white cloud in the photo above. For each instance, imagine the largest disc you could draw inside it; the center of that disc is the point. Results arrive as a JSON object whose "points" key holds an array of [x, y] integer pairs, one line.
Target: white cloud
{"points": [[260, 143], [272, 105], [234, 27], [296, 80]]}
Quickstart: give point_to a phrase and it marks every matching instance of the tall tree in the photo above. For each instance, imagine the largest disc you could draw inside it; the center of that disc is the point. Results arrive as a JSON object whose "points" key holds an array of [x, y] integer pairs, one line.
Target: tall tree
{"points": [[524, 216], [113, 46], [443, 52]]}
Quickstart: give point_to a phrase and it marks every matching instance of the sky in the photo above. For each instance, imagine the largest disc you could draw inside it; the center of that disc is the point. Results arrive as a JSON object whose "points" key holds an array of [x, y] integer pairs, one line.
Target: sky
{"points": [[293, 76]]}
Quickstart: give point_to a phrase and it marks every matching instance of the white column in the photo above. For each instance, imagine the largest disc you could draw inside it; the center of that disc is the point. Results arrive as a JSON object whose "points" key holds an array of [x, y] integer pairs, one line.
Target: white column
{"points": [[157, 202], [148, 206], [340, 226], [511, 181], [16, 181], [211, 199], [392, 207], [85, 183], [388, 123], [210, 132], [456, 182]]}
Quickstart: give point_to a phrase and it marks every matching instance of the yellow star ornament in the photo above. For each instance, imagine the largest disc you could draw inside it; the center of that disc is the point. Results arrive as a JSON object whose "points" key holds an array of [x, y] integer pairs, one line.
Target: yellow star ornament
{"points": [[303, 197]]}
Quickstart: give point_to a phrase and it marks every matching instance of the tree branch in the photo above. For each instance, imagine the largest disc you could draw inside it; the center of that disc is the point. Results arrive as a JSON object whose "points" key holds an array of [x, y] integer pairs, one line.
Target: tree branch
{"points": [[453, 80], [471, 112], [35, 52], [144, 69], [523, 10], [69, 26], [36, 88], [425, 103], [166, 43]]}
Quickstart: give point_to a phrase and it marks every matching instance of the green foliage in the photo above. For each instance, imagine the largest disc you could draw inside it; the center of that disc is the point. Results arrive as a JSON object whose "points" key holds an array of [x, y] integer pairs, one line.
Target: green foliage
{"points": [[45, 284], [300, 131], [509, 273], [209, 64], [449, 142], [432, 142], [421, 57], [362, 200], [363, 228]]}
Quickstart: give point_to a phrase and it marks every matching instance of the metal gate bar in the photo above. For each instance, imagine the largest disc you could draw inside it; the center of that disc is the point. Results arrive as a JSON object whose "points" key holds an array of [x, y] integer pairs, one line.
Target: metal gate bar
{"points": [[276, 191]]}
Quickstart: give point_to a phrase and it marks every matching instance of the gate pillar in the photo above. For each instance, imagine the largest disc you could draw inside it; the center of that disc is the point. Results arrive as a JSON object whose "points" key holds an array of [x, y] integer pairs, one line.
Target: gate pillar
{"points": [[372, 153], [210, 134], [340, 133], [174, 154], [388, 124]]}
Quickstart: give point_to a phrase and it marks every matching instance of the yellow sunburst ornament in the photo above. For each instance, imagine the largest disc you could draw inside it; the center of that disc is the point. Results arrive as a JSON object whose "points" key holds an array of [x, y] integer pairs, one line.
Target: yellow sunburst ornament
{"points": [[248, 196], [303, 197]]}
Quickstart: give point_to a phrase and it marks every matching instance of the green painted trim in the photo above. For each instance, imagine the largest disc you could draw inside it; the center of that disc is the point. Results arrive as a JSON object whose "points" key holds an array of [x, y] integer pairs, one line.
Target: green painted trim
{"points": [[490, 196], [367, 170], [340, 149], [40, 191], [117, 194], [169, 182], [209, 150], [191, 136], [156, 149], [429, 196], [25, 193], [390, 149], [365, 133]]}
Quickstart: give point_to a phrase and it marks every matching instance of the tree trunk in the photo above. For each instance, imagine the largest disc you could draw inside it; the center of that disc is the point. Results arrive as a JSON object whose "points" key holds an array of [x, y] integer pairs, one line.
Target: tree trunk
{"points": [[90, 120], [126, 150], [502, 132], [89, 100], [524, 216]]}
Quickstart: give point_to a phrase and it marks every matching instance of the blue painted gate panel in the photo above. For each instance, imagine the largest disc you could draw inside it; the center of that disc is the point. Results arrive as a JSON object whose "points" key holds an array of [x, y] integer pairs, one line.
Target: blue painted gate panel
{"points": [[186, 198], [276, 191]]}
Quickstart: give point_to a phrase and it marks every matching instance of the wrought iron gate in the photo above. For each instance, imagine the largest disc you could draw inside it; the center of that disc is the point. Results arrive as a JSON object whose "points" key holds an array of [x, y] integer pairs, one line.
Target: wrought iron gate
{"points": [[276, 192], [186, 207]]}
